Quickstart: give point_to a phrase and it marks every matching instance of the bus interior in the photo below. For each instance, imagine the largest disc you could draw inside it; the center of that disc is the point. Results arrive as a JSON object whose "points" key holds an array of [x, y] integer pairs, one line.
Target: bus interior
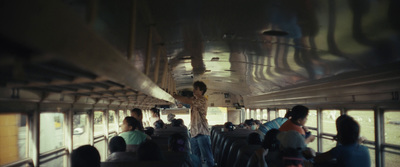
{"points": [[72, 70]]}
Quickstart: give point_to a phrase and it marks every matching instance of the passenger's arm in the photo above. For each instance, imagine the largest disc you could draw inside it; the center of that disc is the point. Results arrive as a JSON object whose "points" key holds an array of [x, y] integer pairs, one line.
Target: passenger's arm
{"points": [[183, 99], [310, 139]]}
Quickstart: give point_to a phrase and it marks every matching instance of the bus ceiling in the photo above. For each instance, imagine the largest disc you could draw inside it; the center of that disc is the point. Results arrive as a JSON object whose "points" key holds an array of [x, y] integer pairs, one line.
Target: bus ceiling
{"points": [[140, 52]]}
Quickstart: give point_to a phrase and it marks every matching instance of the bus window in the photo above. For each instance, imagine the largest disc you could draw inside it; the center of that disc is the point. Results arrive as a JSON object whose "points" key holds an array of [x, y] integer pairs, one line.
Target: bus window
{"points": [[128, 113], [392, 126], [329, 121], [112, 123], [391, 159], [314, 144], [327, 144], [366, 120], [281, 113], [51, 131], [121, 117], [272, 115], [312, 119], [258, 115], [80, 130], [13, 137], [264, 115], [247, 113], [98, 123], [101, 147], [217, 115], [252, 114]]}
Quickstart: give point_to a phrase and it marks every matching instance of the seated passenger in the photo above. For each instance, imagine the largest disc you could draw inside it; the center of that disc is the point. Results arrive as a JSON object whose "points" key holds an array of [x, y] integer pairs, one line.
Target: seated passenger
{"points": [[178, 123], [228, 126], [269, 153], [149, 151], [131, 133], [274, 124], [149, 131], [297, 121], [159, 124], [154, 116], [170, 118], [178, 143], [254, 139], [250, 124], [138, 115], [349, 152], [85, 156], [117, 148]]}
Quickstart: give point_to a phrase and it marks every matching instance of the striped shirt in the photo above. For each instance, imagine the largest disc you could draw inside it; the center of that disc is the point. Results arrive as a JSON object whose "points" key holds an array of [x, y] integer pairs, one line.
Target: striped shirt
{"points": [[198, 120]]}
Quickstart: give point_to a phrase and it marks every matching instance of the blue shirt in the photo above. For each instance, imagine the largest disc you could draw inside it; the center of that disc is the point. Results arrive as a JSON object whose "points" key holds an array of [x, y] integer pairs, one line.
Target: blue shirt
{"points": [[135, 137], [351, 155], [274, 124]]}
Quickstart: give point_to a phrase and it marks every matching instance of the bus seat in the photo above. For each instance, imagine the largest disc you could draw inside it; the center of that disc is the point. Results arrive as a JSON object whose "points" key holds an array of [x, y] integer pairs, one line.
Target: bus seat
{"points": [[244, 154], [233, 151]]}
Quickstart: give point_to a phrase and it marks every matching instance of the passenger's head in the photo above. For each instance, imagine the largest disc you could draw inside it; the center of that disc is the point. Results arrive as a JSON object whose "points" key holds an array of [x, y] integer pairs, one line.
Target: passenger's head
{"points": [[348, 131], [291, 139], [254, 139], [250, 124], [117, 144], [159, 124], [340, 119], [170, 117], [149, 151], [85, 156], [199, 85], [177, 143], [137, 114], [299, 114], [270, 141], [149, 131], [228, 126], [129, 124], [288, 114], [177, 123], [155, 112]]}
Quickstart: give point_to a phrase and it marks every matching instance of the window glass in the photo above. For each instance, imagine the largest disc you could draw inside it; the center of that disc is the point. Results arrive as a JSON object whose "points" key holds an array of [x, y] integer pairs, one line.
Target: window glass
{"points": [[128, 113], [101, 147], [312, 118], [329, 121], [281, 113], [365, 119], [392, 126], [112, 123], [328, 144], [52, 160], [247, 113], [80, 130], [272, 115], [217, 115], [372, 156], [258, 114], [121, 117], [98, 123], [390, 159], [51, 131], [314, 144], [264, 115], [13, 137]]}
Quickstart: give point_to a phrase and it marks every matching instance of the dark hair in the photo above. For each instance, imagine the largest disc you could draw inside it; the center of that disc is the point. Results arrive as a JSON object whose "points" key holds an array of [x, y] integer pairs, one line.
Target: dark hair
{"points": [[85, 156], [132, 122], [254, 139], [299, 112], [177, 122], [340, 119], [249, 122], [117, 144], [159, 124], [270, 141], [348, 131], [149, 131], [229, 126], [137, 111], [155, 110], [288, 114], [149, 151], [201, 85], [177, 142], [258, 122]]}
